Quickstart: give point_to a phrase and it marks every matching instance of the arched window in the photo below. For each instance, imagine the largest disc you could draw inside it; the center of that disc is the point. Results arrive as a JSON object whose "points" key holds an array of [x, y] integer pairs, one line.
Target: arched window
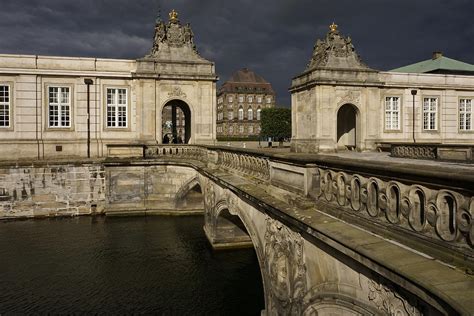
{"points": [[241, 114], [250, 114], [258, 114]]}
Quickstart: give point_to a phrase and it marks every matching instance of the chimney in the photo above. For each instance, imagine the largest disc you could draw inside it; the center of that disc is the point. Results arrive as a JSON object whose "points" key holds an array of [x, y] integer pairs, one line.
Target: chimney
{"points": [[437, 55]]}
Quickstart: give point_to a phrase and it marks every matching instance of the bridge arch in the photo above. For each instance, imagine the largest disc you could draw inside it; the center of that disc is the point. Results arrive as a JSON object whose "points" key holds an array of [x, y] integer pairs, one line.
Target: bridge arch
{"points": [[190, 197]]}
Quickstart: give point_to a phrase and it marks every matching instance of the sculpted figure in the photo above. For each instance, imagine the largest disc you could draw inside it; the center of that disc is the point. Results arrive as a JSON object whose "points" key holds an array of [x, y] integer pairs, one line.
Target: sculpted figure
{"points": [[188, 34], [160, 32]]}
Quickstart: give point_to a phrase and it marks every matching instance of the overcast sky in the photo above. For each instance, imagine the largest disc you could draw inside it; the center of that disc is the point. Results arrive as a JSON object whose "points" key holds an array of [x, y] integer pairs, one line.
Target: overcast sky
{"points": [[272, 37]]}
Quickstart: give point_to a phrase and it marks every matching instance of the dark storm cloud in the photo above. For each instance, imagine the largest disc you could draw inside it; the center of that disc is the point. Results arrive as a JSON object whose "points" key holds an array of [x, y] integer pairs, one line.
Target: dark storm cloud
{"points": [[274, 38]]}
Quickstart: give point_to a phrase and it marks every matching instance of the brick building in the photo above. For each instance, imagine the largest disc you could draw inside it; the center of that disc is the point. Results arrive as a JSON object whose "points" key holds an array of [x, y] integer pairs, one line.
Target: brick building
{"points": [[239, 102]]}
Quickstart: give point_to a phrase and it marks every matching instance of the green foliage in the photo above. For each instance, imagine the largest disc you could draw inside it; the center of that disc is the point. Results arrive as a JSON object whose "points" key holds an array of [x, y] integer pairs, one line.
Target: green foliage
{"points": [[276, 123]]}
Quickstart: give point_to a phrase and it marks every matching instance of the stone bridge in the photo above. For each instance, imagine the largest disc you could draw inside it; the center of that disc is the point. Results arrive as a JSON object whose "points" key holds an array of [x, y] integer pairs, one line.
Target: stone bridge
{"points": [[333, 236]]}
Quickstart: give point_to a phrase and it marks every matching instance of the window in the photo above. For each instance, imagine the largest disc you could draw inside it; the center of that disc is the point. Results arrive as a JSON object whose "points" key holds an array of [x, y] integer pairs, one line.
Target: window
{"points": [[258, 114], [250, 114], [230, 115], [430, 109], [241, 98], [250, 99], [259, 99], [392, 113], [241, 129], [259, 129], [269, 100], [5, 106], [116, 107], [230, 99], [465, 114], [59, 108], [231, 130], [241, 114], [250, 129]]}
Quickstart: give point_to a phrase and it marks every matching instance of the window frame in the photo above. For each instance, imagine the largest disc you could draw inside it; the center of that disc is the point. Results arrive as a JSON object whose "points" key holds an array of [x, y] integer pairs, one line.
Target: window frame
{"points": [[259, 114], [240, 114], [400, 107], [11, 116], [47, 103], [471, 130], [436, 118], [127, 107], [250, 114]]}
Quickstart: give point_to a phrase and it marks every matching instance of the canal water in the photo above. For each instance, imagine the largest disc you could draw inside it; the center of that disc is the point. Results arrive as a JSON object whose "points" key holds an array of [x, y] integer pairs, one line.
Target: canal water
{"points": [[103, 265]]}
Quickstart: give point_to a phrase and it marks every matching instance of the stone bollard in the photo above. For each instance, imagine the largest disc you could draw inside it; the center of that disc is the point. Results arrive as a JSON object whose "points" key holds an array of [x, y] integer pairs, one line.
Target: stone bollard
{"points": [[244, 145]]}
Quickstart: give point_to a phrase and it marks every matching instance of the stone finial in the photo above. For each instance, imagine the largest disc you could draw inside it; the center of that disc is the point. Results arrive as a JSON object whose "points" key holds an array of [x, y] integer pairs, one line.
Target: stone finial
{"points": [[173, 16]]}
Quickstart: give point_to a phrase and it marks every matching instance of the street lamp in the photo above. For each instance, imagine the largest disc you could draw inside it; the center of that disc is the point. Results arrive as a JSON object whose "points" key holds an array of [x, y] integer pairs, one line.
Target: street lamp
{"points": [[88, 82], [413, 93]]}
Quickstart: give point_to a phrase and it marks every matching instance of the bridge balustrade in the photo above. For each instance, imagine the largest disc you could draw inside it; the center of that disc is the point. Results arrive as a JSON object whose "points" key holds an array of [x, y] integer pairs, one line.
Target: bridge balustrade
{"points": [[431, 212]]}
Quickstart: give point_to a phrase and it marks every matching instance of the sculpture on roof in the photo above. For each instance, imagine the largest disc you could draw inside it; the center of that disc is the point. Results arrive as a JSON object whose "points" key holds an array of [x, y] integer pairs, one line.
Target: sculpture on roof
{"points": [[335, 51], [172, 34]]}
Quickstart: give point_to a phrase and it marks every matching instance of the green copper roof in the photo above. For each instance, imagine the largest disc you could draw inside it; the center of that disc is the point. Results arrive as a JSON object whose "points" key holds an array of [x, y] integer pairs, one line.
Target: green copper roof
{"points": [[440, 63]]}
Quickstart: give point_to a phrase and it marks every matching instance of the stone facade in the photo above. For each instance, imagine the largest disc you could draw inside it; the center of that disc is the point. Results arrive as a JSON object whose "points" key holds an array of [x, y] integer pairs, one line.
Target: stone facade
{"points": [[152, 190], [239, 102], [52, 190], [340, 103], [43, 99]]}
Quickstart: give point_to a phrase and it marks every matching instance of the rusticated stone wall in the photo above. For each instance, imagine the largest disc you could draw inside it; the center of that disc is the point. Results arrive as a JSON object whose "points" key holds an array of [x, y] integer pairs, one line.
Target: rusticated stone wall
{"points": [[51, 190]]}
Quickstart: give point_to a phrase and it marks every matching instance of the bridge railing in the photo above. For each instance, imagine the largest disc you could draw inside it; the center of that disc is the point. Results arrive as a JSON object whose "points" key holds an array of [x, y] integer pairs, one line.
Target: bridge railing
{"points": [[176, 152], [239, 162], [430, 206], [436, 214]]}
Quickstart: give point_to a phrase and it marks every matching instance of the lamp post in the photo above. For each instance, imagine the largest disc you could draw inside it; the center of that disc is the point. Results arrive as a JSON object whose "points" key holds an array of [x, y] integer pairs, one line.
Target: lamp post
{"points": [[413, 93], [88, 82]]}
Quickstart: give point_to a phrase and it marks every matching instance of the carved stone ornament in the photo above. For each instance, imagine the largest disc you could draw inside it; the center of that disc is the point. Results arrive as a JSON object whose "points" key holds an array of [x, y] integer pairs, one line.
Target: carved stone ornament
{"points": [[335, 51], [438, 214], [352, 97], [176, 92], [172, 34], [284, 269], [390, 302], [209, 196]]}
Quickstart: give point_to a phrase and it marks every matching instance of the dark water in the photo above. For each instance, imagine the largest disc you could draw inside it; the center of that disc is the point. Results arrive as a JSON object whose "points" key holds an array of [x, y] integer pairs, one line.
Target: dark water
{"points": [[158, 265]]}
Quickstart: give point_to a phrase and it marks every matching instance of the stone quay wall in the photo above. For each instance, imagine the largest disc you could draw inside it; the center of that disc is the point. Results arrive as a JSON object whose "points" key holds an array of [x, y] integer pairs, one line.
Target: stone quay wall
{"points": [[49, 190]]}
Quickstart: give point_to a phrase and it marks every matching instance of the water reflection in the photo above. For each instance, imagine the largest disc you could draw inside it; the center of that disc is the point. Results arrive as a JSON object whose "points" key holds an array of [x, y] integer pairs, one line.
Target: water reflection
{"points": [[160, 265]]}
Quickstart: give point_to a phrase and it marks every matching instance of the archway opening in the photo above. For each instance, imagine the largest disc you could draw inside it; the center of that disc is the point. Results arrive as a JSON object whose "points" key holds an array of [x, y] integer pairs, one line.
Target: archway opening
{"points": [[231, 232], [176, 122], [347, 127], [192, 201]]}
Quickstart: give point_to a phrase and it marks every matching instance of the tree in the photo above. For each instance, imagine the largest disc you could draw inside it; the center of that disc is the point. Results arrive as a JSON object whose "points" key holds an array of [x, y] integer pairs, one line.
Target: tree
{"points": [[276, 123]]}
